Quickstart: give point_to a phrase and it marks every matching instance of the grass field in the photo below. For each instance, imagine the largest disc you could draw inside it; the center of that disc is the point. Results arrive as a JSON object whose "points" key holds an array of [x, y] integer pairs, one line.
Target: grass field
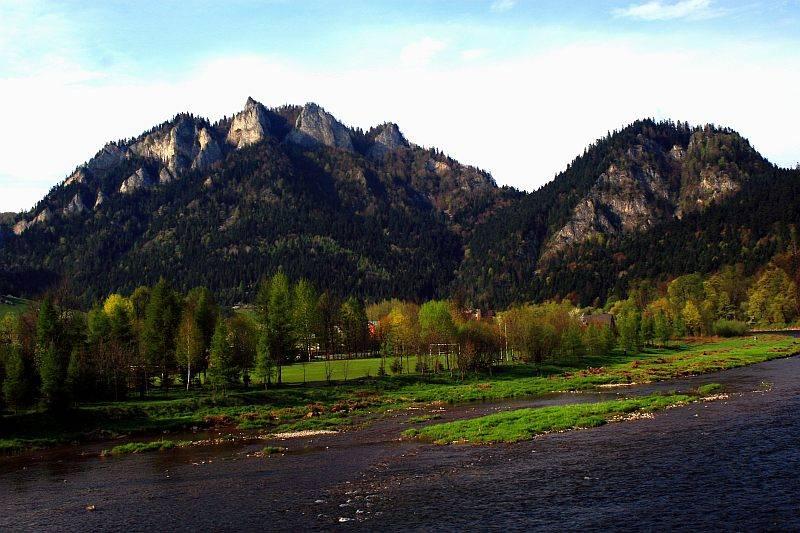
{"points": [[523, 424], [342, 370], [15, 306], [322, 406]]}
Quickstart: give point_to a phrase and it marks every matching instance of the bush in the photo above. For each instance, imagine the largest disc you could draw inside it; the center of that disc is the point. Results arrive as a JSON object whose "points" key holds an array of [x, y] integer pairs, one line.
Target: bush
{"points": [[730, 328], [397, 366]]}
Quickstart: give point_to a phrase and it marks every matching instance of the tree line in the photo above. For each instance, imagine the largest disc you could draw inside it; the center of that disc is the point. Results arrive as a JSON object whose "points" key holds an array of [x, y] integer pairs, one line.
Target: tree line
{"points": [[55, 356], [157, 338]]}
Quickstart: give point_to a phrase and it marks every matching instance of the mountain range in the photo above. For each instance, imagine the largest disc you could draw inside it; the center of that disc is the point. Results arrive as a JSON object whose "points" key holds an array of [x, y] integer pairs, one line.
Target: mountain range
{"points": [[368, 212]]}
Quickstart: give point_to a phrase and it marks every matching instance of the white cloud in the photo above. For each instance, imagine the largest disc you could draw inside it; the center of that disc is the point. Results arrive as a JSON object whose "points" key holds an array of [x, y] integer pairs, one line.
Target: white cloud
{"points": [[501, 6], [421, 53], [658, 10], [474, 53], [521, 118]]}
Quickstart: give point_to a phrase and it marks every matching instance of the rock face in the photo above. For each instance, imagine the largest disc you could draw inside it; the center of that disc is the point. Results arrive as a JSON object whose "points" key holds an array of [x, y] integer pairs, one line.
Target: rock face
{"points": [[622, 201], [100, 199], [165, 176], [136, 181], [75, 206], [648, 184], [20, 227], [315, 127], [45, 216], [79, 176], [388, 139], [249, 126], [108, 157], [182, 145], [711, 181]]}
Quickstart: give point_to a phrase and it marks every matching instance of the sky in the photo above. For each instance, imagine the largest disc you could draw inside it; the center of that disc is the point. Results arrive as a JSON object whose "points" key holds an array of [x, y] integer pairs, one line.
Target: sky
{"points": [[516, 87]]}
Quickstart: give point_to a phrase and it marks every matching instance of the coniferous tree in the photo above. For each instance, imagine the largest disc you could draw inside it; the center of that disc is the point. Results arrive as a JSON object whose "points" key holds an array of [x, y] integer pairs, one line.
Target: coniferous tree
{"points": [[279, 331], [305, 315], [158, 333], [221, 370], [17, 385], [52, 367]]}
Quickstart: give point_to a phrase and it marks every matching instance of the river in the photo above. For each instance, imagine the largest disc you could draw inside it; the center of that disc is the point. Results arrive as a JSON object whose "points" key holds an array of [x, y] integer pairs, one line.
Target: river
{"points": [[730, 464]]}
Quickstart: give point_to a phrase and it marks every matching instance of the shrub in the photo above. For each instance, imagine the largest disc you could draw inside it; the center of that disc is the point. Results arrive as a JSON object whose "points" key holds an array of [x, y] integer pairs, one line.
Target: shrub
{"points": [[397, 366], [730, 328]]}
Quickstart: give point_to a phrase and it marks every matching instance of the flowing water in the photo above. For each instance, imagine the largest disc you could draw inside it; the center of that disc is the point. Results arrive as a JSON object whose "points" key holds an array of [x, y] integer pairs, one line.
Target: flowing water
{"points": [[731, 464]]}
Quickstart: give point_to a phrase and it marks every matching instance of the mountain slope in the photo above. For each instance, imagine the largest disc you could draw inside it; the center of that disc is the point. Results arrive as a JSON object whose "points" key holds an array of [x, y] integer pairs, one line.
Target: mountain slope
{"points": [[224, 204], [371, 213], [567, 238]]}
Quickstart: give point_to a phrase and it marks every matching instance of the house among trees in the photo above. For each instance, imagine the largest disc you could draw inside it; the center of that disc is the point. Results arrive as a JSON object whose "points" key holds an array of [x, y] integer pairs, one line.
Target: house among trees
{"points": [[600, 319]]}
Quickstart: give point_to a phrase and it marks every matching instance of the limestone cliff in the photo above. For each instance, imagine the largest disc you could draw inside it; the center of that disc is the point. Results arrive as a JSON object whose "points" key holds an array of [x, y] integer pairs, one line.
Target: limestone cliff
{"points": [[315, 127], [249, 126]]}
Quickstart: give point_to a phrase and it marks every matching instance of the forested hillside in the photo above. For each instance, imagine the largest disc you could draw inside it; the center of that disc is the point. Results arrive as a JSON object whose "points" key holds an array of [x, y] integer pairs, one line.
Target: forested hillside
{"points": [[357, 212], [368, 213]]}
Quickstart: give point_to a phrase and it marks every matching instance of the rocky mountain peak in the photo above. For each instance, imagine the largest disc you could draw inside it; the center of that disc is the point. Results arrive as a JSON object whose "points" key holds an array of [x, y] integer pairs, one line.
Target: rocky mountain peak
{"points": [[315, 127], [185, 144], [388, 139], [249, 126], [652, 179]]}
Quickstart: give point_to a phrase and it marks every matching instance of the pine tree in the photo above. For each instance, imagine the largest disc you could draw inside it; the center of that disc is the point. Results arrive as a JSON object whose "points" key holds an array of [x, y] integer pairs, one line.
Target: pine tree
{"points": [[158, 333], [279, 329], [221, 370], [17, 385], [52, 376], [305, 315], [52, 370], [265, 365]]}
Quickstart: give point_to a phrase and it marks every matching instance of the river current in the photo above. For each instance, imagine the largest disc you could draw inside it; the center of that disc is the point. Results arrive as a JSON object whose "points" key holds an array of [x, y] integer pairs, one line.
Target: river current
{"points": [[730, 464]]}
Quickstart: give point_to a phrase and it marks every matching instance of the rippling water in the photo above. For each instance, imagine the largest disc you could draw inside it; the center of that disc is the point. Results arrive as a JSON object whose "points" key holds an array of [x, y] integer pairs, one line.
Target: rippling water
{"points": [[730, 465]]}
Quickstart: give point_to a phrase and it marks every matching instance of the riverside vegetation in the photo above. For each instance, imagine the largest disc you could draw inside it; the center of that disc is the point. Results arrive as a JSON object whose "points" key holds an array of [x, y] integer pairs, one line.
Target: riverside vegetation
{"points": [[344, 405], [159, 360]]}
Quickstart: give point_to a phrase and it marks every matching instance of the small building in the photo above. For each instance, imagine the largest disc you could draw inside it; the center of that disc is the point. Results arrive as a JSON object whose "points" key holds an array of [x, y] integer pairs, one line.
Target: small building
{"points": [[600, 319]]}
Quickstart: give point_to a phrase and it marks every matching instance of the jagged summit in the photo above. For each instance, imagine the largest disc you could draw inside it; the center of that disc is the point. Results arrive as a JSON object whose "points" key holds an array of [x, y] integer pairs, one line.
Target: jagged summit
{"points": [[387, 138], [315, 127], [187, 143], [249, 126], [293, 188], [653, 179]]}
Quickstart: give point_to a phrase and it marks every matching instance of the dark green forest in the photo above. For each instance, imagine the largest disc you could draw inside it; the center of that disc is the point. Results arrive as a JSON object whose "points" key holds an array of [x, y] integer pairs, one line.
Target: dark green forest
{"points": [[413, 224]]}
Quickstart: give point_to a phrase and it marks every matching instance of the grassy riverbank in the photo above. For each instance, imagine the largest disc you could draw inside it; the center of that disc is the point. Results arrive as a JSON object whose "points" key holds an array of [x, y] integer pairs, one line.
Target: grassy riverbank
{"points": [[320, 406], [524, 424]]}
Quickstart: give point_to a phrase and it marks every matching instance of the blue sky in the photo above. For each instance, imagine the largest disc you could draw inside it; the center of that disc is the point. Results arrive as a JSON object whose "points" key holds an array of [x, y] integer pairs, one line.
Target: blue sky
{"points": [[516, 87]]}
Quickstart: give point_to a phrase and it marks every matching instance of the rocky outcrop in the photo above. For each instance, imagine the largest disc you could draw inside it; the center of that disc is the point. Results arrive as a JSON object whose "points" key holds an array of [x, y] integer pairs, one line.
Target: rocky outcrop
{"points": [[708, 177], [184, 144], [250, 126], [100, 199], [315, 127], [136, 181], [75, 206], [649, 183], [79, 176], [20, 227], [165, 176], [107, 158], [438, 167], [623, 200], [388, 139], [44, 217]]}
